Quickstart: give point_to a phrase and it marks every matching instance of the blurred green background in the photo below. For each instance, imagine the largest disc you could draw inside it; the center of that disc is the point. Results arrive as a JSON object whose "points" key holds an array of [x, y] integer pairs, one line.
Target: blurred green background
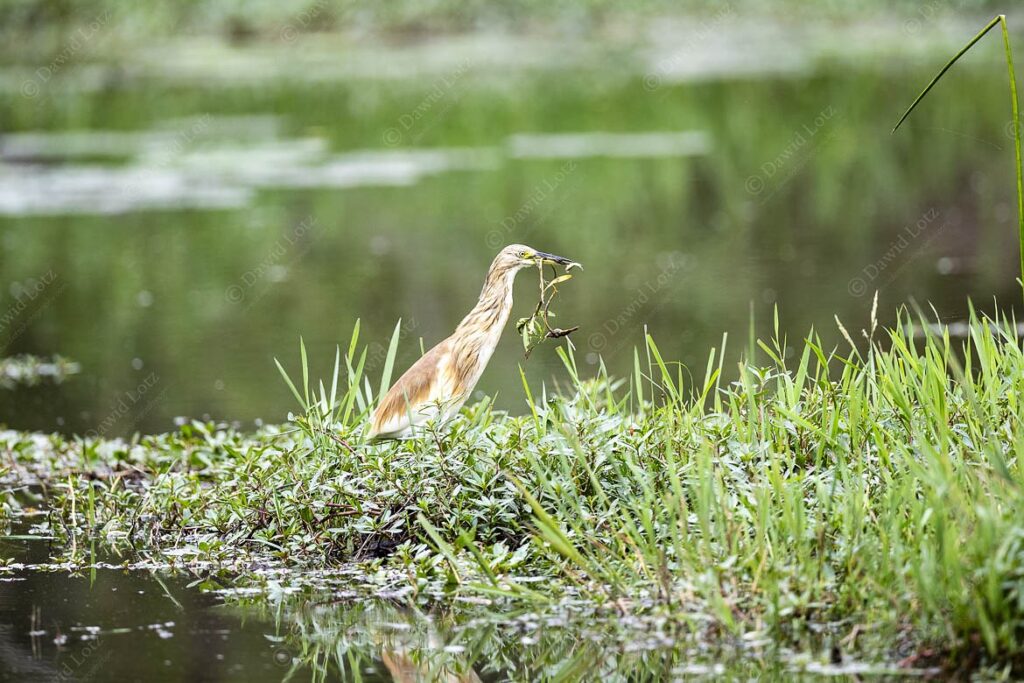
{"points": [[186, 188]]}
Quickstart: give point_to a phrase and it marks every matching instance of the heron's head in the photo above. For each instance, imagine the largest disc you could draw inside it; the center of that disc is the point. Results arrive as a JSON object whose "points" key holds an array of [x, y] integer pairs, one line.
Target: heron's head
{"points": [[518, 256]]}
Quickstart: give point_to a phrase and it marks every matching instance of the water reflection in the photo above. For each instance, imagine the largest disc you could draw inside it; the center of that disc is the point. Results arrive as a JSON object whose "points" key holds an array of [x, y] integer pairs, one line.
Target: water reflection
{"points": [[126, 617], [190, 170], [380, 640], [112, 624], [598, 144], [30, 370]]}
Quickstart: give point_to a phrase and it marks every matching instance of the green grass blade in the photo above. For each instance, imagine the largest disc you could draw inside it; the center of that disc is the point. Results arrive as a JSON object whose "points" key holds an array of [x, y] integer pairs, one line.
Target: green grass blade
{"points": [[291, 385], [442, 546], [466, 541], [353, 341], [334, 379], [389, 362], [305, 370], [946, 68], [1015, 107]]}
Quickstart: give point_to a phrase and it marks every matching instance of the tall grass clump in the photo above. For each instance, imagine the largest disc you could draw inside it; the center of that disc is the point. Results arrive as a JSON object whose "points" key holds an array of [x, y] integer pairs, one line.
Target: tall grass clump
{"points": [[881, 485], [874, 494]]}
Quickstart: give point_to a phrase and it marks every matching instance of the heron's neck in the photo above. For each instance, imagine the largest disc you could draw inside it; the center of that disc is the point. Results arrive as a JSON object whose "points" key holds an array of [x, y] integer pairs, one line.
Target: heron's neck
{"points": [[492, 309]]}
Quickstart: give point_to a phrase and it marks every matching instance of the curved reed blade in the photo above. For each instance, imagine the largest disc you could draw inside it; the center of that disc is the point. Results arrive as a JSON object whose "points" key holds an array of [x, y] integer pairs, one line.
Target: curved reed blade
{"points": [[946, 68], [1014, 106]]}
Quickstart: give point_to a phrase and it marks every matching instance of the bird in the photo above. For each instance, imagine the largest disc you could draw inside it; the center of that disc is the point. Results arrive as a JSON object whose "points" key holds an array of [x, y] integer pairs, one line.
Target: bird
{"points": [[437, 385]]}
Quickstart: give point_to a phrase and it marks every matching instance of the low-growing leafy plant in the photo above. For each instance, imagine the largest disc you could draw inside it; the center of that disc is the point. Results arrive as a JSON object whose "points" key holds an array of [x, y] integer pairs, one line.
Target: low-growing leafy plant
{"points": [[874, 491]]}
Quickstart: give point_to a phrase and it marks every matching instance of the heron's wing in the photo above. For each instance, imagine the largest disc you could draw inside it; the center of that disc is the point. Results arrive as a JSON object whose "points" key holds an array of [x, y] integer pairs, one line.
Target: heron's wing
{"points": [[415, 395]]}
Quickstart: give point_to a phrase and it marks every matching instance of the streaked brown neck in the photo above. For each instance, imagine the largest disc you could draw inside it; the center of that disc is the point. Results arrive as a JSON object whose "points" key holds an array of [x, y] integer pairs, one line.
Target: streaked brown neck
{"points": [[494, 305]]}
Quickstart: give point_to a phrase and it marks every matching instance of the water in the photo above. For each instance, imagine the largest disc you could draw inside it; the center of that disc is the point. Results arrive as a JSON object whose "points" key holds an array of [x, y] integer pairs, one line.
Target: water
{"points": [[174, 235], [111, 624], [173, 229], [127, 618]]}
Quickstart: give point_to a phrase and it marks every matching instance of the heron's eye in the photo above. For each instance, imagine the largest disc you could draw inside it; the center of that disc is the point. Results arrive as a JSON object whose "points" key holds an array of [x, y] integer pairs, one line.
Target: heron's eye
{"points": [[524, 254]]}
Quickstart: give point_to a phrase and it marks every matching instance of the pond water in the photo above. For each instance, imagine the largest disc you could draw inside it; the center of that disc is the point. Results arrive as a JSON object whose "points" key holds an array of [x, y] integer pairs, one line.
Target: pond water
{"points": [[173, 222], [174, 233], [123, 618], [110, 624]]}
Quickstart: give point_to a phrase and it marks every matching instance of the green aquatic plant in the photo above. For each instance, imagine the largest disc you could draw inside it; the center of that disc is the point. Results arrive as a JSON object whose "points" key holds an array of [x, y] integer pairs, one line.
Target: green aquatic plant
{"points": [[323, 410]]}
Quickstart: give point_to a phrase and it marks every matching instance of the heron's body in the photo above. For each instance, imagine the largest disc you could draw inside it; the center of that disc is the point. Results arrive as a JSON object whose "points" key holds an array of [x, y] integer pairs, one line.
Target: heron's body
{"points": [[437, 385]]}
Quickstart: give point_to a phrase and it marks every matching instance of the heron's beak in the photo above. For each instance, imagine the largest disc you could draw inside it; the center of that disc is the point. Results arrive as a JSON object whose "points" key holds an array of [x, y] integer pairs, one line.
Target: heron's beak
{"points": [[551, 258]]}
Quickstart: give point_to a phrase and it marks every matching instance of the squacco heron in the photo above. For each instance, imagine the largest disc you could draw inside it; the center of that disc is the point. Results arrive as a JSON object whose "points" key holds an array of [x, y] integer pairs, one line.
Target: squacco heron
{"points": [[437, 385]]}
